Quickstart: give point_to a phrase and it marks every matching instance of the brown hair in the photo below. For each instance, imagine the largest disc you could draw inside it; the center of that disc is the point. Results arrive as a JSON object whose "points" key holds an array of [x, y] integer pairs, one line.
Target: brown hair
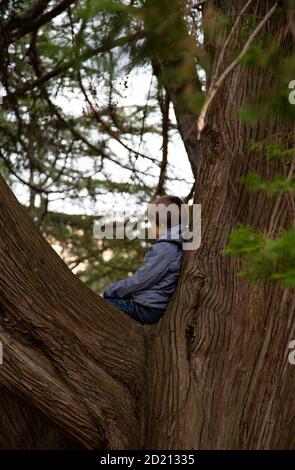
{"points": [[167, 200]]}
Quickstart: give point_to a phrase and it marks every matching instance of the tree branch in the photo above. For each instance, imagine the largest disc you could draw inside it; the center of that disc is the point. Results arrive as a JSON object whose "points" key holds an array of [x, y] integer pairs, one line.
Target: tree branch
{"points": [[61, 68], [67, 353], [29, 23], [218, 83], [29, 15], [164, 104]]}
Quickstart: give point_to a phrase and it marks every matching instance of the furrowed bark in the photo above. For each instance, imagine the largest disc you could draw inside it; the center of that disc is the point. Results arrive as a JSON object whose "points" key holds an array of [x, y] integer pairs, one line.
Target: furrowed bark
{"points": [[67, 354], [216, 366], [218, 362]]}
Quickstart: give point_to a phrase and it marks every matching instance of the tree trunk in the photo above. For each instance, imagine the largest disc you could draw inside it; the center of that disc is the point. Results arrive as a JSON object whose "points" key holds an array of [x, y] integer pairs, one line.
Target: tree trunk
{"points": [[69, 359], [212, 374], [218, 362]]}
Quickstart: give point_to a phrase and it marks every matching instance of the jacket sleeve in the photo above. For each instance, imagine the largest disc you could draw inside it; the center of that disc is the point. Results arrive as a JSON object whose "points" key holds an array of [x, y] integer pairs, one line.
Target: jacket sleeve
{"points": [[156, 264]]}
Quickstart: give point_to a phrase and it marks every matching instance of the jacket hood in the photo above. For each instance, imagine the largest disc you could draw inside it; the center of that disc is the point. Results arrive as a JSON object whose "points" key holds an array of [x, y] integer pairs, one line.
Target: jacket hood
{"points": [[173, 235]]}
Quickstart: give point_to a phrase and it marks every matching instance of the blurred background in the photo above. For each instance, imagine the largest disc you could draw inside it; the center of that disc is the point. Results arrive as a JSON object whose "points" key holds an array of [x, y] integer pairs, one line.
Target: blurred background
{"points": [[101, 136]]}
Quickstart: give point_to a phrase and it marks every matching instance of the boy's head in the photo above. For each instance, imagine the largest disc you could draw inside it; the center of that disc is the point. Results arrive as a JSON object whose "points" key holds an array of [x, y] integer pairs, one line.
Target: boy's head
{"points": [[165, 212]]}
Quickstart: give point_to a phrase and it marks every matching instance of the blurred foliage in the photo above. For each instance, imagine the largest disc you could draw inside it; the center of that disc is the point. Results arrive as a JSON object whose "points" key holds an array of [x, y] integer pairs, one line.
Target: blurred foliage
{"points": [[274, 148], [96, 262], [264, 258], [254, 182], [51, 154], [56, 155]]}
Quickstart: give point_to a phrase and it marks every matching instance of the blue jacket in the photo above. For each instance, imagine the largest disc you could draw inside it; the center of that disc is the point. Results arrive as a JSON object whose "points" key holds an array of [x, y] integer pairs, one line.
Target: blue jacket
{"points": [[154, 283]]}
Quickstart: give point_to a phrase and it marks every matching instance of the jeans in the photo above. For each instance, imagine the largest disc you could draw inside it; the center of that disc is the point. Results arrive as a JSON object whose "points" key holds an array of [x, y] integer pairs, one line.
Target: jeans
{"points": [[143, 315]]}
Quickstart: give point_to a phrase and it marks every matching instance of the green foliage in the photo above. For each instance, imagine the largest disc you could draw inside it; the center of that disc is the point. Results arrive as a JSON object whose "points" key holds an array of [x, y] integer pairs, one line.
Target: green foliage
{"points": [[264, 258], [51, 153], [96, 262], [3, 170], [274, 149], [172, 53], [249, 114], [92, 8], [278, 70], [254, 182], [45, 146], [215, 25]]}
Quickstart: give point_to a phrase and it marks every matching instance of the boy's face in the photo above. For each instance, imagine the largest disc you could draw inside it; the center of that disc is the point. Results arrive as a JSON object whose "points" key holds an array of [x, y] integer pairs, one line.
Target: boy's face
{"points": [[156, 230], [152, 216]]}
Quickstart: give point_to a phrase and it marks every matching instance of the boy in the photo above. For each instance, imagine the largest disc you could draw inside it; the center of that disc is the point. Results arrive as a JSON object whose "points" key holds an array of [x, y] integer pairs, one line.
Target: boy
{"points": [[146, 295]]}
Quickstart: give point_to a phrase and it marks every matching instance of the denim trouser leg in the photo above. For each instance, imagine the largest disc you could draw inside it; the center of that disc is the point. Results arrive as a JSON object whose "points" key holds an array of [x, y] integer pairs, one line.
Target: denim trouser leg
{"points": [[135, 311]]}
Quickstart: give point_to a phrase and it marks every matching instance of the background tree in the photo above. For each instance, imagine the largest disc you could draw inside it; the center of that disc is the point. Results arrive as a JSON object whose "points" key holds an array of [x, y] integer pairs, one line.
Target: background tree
{"points": [[51, 153]]}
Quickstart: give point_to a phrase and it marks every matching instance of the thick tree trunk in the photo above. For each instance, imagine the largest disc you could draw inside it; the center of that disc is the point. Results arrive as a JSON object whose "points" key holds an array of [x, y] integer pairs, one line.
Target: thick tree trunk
{"points": [[68, 357], [219, 373], [212, 374]]}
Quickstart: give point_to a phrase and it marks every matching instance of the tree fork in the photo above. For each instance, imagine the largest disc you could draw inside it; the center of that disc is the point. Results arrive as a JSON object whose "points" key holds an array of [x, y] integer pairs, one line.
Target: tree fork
{"points": [[67, 354]]}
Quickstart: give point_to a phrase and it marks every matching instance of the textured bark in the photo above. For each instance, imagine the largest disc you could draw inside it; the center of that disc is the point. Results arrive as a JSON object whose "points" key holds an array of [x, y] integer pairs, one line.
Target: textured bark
{"points": [[23, 428], [212, 374], [220, 376], [67, 356]]}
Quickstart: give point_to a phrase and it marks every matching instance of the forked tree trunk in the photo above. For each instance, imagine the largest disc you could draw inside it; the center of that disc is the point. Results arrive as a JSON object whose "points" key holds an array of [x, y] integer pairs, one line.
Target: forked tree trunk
{"points": [[212, 374], [69, 359]]}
